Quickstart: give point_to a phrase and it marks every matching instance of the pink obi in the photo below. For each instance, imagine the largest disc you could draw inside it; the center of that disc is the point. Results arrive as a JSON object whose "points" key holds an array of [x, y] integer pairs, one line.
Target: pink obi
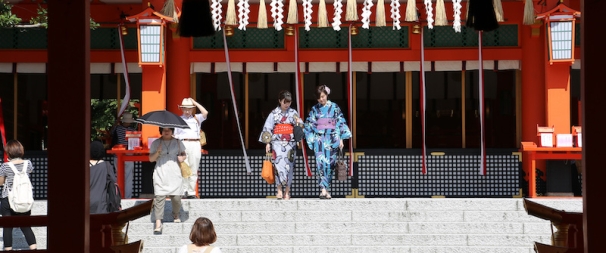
{"points": [[326, 123]]}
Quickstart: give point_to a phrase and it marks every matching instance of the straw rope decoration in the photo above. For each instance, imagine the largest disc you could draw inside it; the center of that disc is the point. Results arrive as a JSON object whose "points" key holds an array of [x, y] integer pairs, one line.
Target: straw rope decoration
{"points": [[529, 16], [498, 10], [441, 19], [307, 11], [276, 13], [216, 11], [262, 15], [395, 14], [456, 24], [411, 11], [380, 17], [336, 20], [351, 12], [429, 11], [366, 14], [230, 17], [322, 16], [243, 14], [293, 16]]}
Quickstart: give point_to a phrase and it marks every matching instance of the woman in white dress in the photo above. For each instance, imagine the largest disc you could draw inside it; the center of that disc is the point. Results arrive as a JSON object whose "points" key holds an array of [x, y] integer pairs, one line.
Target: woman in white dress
{"points": [[167, 152]]}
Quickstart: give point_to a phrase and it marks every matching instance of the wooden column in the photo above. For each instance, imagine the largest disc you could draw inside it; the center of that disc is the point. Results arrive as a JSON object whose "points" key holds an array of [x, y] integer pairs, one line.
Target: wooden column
{"points": [[533, 83], [153, 86], [153, 96], [557, 97], [594, 137], [177, 71], [69, 126]]}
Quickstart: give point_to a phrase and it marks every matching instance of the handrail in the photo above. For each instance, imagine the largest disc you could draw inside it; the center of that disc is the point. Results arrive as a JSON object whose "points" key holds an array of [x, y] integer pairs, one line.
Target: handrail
{"points": [[125, 215]]}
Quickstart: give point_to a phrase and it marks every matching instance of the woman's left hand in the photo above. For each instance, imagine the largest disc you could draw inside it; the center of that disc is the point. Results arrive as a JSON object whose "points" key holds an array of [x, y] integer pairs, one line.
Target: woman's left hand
{"points": [[181, 158], [341, 144]]}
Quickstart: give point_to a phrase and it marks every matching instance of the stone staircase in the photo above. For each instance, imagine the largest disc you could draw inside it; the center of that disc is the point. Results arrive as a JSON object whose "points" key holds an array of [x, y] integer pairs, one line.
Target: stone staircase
{"points": [[403, 225]]}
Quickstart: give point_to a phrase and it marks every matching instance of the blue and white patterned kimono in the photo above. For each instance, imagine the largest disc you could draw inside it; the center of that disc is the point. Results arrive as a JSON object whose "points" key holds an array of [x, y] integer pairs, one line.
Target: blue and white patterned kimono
{"points": [[282, 145], [324, 129]]}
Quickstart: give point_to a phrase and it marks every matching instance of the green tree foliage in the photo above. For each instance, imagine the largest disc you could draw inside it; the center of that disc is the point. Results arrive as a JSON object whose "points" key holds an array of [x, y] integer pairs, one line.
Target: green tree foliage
{"points": [[103, 116], [42, 19], [7, 18]]}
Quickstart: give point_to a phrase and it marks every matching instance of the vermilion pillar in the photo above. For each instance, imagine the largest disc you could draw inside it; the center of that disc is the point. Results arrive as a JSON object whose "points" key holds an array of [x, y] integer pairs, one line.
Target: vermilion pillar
{"points": [[177, 71], [557, 97], [153, 85], [533, 84], [153, 96]]}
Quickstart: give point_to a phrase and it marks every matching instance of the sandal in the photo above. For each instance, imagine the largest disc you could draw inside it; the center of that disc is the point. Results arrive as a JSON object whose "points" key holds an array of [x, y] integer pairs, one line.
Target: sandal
{"points": [[158, 230], [287, 196], [279, 196], [328, 196], [322, 196]]}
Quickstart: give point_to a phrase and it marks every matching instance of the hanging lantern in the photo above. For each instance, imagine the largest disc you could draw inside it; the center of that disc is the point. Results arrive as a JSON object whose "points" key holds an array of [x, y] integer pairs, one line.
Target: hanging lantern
{"points": [[560, 25], [151, 27]]}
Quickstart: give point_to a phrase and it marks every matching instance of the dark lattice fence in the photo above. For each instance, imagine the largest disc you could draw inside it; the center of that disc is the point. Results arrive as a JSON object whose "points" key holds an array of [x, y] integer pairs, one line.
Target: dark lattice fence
{"points": [[377, 173], [454, 174]]}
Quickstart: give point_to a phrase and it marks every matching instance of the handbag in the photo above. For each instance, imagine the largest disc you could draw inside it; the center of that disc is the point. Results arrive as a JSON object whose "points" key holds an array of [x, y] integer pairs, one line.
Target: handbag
{"points": [[185, 169], [202, 138], [267, 172], [202, 133], [341, 166], [298, 130]]}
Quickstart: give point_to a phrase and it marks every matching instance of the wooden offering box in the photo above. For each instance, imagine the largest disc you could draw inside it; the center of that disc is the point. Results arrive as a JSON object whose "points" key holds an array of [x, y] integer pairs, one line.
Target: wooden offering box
{"points": [[545, 135]]}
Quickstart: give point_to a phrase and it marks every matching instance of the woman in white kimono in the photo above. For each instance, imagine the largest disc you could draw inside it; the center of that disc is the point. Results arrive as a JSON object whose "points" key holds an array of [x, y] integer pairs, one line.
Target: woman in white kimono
{"points": [[278, 135], [167, 152]]}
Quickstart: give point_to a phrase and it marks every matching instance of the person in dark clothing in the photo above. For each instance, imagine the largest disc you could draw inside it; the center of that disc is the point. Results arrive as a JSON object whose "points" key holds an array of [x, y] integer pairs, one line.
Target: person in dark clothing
{"points": [[100, 172]]}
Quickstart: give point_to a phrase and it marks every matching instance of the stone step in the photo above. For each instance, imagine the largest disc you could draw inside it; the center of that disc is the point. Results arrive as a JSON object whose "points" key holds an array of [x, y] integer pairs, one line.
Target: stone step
{"points": [[346, 225]]}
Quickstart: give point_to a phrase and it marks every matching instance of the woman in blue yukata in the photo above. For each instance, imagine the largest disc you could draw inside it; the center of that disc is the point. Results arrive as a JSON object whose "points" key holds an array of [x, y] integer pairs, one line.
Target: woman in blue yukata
{"points": [[325, 130], [278, 135]]}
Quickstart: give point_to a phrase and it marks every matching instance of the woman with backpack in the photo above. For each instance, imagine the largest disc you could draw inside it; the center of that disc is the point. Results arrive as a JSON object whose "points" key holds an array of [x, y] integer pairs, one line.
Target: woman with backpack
{"points": [[15, 152]]}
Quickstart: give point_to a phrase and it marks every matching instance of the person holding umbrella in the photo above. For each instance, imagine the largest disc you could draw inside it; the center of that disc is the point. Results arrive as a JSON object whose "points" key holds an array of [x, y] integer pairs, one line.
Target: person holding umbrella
{"points": [[167, 152], [191, 138]]}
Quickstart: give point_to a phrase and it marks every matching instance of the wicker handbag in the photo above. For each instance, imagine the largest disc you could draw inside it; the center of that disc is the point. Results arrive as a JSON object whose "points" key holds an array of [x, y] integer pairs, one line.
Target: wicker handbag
{"points": [[202, 138], [267, 172], [185, 169], [341, 167]]}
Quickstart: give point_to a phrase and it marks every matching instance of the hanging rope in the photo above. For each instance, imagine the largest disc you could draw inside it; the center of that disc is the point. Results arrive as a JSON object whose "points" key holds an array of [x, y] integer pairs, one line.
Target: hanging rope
{"points": [[126, 99], [299, 92], [481, 108], [350, 98], [422, 97], [233, 99]]}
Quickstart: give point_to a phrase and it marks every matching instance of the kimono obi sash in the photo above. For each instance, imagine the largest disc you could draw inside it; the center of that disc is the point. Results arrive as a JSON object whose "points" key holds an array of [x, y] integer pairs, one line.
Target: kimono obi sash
{"points": [[326, 123], [283, 129]]}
